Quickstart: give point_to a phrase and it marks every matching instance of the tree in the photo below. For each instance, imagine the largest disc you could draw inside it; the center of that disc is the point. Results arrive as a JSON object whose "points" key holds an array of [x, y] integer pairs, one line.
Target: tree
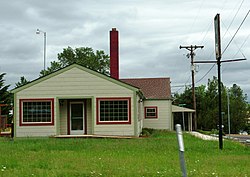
{"points": [[22, 82], [209, 117], [184, 98], [5, 96], [84, 56], [238, 108], [207, 105]]}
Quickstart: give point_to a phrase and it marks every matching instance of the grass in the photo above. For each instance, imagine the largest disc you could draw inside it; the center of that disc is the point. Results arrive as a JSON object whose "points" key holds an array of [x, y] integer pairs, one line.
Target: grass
{"points": [[156, 155]]}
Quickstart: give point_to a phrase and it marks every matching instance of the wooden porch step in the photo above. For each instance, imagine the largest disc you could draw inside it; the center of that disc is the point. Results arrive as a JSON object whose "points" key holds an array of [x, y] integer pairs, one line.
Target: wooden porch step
{"points": [[94, 136]]}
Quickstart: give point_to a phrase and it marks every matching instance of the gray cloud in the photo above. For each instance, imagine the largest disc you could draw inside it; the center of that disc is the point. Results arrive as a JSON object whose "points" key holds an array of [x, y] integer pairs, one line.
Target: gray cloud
{"points": [[150, 35]]}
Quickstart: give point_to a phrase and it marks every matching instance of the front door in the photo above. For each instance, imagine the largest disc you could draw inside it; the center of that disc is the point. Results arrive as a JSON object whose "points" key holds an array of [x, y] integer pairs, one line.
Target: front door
{"points": [[77, 118]]}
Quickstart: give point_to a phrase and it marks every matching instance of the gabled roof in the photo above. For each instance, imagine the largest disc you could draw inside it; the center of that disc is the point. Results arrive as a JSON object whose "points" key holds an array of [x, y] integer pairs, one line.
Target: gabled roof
{"points": [[152, 88], [38, 80]]}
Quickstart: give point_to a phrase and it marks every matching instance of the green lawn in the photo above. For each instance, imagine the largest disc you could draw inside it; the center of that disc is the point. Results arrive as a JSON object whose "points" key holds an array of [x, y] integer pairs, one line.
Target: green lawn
{"points": [[154, 156]]}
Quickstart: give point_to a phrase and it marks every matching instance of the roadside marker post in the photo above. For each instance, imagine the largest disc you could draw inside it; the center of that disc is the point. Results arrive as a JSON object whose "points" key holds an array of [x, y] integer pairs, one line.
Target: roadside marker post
{"points": [[181, 149]]}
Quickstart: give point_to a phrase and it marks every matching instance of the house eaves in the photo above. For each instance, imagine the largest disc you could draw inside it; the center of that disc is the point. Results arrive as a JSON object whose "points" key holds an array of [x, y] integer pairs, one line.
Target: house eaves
{"points": [[103, 76]]}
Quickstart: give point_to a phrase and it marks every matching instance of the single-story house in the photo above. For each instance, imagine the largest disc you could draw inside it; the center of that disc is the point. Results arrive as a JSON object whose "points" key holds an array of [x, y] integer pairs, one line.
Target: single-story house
{"points": [[76, 100]]}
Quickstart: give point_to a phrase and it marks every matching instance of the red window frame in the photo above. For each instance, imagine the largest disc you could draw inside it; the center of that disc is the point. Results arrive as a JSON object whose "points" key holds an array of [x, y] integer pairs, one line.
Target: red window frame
{"points": [[98, 122], [151, 117], [21, 123]]}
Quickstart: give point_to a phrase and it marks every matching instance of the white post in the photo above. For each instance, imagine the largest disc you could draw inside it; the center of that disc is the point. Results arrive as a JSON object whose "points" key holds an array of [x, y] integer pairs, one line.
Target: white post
{"points": [[44, 52], [38, 31], [183, 121], [181, 149]]}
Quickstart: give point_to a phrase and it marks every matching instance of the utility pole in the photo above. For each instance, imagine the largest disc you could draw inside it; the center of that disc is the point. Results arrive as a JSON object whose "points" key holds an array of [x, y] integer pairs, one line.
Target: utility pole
{"points": [[192, 48], [219, 61]]}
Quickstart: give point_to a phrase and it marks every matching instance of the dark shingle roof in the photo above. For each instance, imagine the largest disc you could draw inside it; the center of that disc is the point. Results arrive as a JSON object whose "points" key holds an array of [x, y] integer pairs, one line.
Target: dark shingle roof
{"points": [[152, 88]]}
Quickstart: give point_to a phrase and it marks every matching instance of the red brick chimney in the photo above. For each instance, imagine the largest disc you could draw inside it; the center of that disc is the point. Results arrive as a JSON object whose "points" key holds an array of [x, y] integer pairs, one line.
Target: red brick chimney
{"points": [[114, 54]]}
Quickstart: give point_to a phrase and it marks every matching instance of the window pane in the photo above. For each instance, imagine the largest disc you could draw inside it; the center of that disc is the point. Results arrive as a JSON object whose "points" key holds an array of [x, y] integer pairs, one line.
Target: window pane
{"points": [[113, 110], [36, 111], [151, 113]]}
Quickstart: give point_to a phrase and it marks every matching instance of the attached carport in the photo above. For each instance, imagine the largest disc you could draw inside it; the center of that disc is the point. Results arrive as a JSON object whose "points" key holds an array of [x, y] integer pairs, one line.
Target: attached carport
{"points": [[183, 116]]}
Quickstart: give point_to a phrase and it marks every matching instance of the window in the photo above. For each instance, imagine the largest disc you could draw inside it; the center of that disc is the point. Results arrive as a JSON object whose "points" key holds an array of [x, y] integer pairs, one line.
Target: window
{"points": [[151, 112], [113, 110], [36, 112]]}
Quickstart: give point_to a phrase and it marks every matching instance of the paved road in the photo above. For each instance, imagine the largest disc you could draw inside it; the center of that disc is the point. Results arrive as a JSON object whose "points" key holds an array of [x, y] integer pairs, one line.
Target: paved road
{"points": [[241, 138]]}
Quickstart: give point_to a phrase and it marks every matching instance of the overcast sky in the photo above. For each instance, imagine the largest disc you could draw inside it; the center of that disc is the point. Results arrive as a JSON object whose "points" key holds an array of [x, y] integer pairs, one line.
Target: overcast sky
{"points": [[150, 33]]}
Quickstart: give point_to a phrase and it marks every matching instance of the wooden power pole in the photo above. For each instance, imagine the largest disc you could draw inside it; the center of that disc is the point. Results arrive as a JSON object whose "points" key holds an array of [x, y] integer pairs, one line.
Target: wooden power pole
{"points": [[192, 48]]}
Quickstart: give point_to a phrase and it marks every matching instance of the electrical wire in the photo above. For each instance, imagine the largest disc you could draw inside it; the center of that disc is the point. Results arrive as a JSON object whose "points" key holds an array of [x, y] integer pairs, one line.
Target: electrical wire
{"points": [[241, 47], [235, 33], [239, 50], [211, 23], [235, 42], [201, 4], [233, 18], [205, 74], [222, 38], [182, 86], [230, 40], [203, 39], [208, 29]]}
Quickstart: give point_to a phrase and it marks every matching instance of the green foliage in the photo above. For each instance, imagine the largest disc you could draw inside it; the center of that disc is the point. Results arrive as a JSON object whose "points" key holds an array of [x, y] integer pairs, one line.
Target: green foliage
{"points": [[215, 131], [207, 105], [147, 132], [184, 98], [247, 128], [157, 155], [207, 132], [23, 81], [238, 107], [84, 56], [54, 66], [4, 94], [5, 97]]}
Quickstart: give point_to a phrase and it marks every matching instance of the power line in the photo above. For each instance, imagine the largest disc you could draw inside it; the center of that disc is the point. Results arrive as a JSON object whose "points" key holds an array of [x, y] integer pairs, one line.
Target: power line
{"points": [[239, 48], [230, 40], [209, 26], [238, 51], [182, 86], [201, 4], [242, 46], [236, 32], [211, 23], [233, 18], [218, 61], [206, 74]]}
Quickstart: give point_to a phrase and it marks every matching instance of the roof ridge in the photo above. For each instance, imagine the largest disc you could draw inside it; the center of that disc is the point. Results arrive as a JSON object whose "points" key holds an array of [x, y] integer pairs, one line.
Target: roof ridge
{"points": [[147, 78]]}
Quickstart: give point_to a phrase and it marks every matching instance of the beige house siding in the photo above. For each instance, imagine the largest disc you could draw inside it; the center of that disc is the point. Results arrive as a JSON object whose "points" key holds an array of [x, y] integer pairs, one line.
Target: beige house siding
{"points": [[35, 131], [75, 83], [116, 129], [164, 119], [30, 131], [89, 116], [63, 118], [119, 130], [140, 114]]}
